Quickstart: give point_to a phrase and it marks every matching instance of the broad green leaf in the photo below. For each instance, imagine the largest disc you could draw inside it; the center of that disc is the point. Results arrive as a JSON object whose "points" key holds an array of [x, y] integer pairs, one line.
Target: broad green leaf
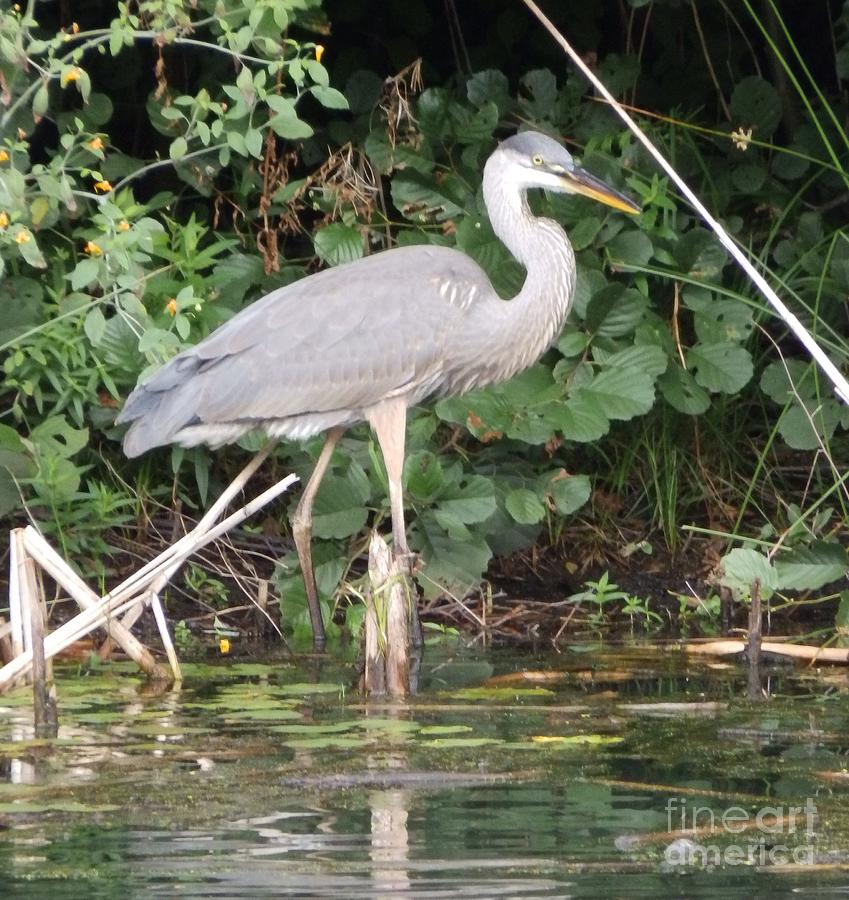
{"points": [[572, 343], [489, 86], [630, 248], [30, 250], [55, 435], [338, 511], [647, 358], [95, 325], [615, 311], [455, 565], [178, 148], [810, 568], [803, 428], [580, 418], [725, 368], [679, 389], [329, 97], [421, 197], [473, 502], [781, 381], [423, 474], [755, 103], [338, 243], [743, 567], [699, 254], [620, 393], [253, 141], [539, 87], [524, 506], [568, 492]]}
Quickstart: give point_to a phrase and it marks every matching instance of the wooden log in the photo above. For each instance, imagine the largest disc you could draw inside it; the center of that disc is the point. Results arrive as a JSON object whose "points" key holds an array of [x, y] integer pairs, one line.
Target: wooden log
{"points": [[165, 636], [387, 623], [729, 647], [5, 641], [45, 713], [151, 578], [17, 554], [56, 567]]}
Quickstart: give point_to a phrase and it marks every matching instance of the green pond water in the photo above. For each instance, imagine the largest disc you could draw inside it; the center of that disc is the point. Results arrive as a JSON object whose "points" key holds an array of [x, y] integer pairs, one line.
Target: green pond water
{"points": [[278, 780]]}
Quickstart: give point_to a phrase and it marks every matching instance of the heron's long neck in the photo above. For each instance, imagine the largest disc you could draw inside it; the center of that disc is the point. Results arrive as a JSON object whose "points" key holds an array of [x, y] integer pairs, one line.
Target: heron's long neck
{"points": [[534, 318]]}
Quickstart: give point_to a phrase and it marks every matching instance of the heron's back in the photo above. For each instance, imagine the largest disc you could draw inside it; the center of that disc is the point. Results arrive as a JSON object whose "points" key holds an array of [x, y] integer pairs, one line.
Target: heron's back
{"points": [[320, 352]]}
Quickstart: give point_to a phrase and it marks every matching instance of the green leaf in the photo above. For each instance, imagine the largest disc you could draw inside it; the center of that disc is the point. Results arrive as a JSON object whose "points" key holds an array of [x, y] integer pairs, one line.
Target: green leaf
{"points": [[253, 142], [423, 475], [699, 254], [473, 502], [524, 506], [781, 381], [420, 196], [338, 243], [647, 358], [455, 565], [725, 368], [85, 271], [630, 248], [756, 103], [810, 568], [802, 428], [55, 435], [329, 97], [489, 86], [40, 101], [568, 492], [178, 148], [742, 567], [620, 393], [580, 418], [95, 325], [615, 311], [679, 389], [30, 251], [338, 511]]}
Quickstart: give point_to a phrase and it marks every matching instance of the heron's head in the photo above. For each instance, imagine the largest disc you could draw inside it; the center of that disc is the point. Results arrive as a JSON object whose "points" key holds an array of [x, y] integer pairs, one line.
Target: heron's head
{"points": [[533, 160]]}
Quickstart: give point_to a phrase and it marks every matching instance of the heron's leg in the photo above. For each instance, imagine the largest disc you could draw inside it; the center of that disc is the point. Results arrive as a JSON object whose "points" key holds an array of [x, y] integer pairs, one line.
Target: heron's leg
{"points": [[389, 421], [302, 532]]}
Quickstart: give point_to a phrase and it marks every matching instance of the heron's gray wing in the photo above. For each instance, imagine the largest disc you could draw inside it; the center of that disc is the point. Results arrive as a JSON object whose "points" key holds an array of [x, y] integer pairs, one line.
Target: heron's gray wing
{"points": [[342, 339]]}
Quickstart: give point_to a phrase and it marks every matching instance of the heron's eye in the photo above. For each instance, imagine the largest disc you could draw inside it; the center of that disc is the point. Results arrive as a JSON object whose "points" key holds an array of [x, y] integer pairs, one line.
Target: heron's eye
{"points": [[536, 159]]}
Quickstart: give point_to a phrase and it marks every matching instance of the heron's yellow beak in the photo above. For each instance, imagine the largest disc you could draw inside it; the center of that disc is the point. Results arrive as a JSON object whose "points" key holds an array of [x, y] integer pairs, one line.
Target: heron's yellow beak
{"points": [[580, 181]]}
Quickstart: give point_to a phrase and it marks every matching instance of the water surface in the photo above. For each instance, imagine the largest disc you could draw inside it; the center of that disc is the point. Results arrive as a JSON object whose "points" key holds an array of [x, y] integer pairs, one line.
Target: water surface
{"points": [[583, 778]]}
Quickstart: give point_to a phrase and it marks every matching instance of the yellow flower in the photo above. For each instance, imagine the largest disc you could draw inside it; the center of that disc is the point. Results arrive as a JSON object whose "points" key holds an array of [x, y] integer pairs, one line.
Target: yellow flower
{"points": [[4, 220], [224, 645], [75, 29], [123, 225], [23, 236], [93, 249], [171, 307], [95, 143], [4, 156], [319, 52], [741, 138], [102, 187], [73, 74]]}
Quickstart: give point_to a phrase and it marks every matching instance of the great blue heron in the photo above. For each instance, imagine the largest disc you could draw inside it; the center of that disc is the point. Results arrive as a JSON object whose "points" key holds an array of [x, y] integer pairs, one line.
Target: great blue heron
{"points": [[366, 340]]}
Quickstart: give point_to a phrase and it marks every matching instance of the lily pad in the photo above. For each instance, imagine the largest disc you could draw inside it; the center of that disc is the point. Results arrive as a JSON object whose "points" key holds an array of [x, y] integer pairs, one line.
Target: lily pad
{"points": [[445, 729], [449, 742]]}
